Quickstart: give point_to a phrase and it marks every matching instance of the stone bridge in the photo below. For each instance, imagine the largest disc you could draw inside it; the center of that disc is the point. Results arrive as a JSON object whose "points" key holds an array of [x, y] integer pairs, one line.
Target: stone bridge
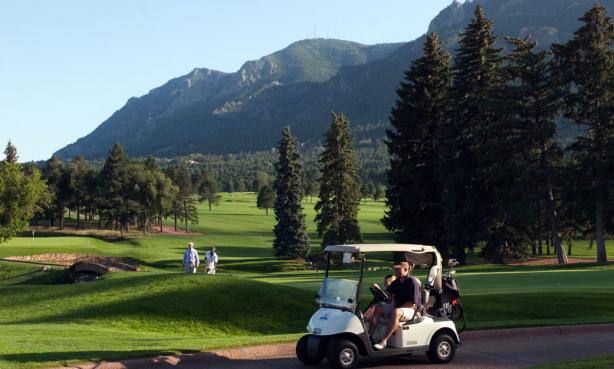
{"points": [[91, 268]]}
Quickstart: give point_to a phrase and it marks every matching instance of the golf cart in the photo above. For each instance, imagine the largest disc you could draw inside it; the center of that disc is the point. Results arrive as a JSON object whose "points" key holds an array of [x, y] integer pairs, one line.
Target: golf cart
{"points": [[337, 330]]}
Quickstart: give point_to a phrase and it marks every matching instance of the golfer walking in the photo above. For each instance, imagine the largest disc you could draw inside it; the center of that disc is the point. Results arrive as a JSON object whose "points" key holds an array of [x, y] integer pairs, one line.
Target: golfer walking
{"points": [[211, 261], [190, 259]]}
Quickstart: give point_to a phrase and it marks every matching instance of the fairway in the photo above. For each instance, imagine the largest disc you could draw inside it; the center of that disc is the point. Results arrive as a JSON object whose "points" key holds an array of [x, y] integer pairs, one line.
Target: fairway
{"points": [[161, 310]]}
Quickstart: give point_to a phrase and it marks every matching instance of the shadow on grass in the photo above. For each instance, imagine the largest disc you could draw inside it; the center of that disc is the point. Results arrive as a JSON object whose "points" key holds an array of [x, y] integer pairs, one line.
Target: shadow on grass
{"points": [[104, 285], [74, 233], [48, 278], [241, 306]]}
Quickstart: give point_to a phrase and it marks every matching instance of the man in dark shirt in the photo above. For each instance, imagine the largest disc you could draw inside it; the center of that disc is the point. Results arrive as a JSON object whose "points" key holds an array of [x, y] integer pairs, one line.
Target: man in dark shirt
{"points": [[405, 291]]}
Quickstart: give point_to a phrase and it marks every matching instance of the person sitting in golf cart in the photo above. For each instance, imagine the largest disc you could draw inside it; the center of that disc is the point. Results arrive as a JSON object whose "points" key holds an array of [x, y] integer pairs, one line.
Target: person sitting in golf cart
{"points": [[405, 292], [380, 298]]}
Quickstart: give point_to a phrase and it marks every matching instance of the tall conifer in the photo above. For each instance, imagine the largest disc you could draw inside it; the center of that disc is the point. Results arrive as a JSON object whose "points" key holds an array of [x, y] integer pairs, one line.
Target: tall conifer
{"points": [[469, 189], [337, 209], [114, 177], [414, 193], [588, 60], [10, 153], [291, 239], [532, 97]]}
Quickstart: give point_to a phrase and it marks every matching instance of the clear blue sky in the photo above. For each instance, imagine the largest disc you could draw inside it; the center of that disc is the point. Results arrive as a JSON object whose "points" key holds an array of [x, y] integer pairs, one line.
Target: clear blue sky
{"points": [[66, 66]]}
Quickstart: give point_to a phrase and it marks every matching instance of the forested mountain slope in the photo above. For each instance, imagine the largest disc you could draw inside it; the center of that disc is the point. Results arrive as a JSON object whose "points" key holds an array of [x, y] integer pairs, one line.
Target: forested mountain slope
{"points": [[213, 112]]}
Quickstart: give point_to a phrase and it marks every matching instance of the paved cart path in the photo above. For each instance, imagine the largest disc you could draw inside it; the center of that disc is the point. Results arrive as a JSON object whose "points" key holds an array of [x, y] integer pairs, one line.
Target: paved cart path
{"points": [[509, 348]]}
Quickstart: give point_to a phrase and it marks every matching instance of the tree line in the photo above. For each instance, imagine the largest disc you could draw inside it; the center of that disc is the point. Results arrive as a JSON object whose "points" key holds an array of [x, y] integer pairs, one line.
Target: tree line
{"points": [[123, 194], [474, 161]]}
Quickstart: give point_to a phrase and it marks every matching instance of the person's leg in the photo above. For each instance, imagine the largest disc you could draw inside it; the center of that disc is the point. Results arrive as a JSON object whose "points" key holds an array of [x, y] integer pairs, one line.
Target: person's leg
{"points": [[375, 319], [392, 325], [368, 314]]}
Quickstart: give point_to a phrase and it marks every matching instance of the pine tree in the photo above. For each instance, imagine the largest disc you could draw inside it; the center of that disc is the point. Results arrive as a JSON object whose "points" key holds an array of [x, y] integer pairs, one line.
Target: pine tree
{"points": [[265, 199], [470, 190], [76, 172], [208, 190], [184, 207], [54, 174], [114, 178], [291, 239], [337, 209], [415, 209], [588, 60], [11, 153], [533, 99]]}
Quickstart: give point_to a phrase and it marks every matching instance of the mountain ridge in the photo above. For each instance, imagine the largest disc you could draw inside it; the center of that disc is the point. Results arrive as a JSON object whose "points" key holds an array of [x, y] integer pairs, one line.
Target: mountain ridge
{"points": [[245, 110]]}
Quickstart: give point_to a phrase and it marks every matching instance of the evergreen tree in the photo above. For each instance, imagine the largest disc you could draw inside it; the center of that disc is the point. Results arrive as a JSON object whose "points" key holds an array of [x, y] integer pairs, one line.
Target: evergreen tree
{"points": [[533, 99], [184, 207], [291, 239], [208, 190], [76, 172], [415, 210], [265, 199], [588, 60], [365, 192], [114, 177], [54, 174], [337, 208], [11, 153], [166, 192], [473, 168]]}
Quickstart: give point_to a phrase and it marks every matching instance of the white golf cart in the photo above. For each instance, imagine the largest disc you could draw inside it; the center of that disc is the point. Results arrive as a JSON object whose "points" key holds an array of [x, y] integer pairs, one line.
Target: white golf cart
{"points": [[338, 331]]}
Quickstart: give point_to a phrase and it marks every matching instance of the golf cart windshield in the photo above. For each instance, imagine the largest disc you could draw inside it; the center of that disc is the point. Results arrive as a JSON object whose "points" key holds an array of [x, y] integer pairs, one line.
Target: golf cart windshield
{"points": [[338, 293]]}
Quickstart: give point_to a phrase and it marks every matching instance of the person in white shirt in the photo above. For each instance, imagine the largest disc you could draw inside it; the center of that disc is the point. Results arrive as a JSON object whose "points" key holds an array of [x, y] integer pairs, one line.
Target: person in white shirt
{"points": [[190, 259], [211, 261]]}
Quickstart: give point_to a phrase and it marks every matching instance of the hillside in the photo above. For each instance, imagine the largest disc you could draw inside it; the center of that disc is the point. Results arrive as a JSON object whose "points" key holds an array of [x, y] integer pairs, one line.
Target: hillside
{"points": [[213, 112], [163, 121]]}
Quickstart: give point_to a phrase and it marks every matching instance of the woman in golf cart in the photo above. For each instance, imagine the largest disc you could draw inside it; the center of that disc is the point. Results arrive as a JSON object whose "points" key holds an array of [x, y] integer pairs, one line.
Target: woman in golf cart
{"points": [[405, 292]]}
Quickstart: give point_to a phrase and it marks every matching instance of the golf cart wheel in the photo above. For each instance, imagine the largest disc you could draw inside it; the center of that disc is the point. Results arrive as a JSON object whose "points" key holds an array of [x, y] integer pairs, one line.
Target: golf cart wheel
{"points": [[342, 354], [442, 349], [302, 352]]}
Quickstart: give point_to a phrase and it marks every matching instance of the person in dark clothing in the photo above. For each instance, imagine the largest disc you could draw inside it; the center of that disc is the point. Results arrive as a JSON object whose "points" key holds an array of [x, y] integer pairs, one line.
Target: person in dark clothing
{"points": [[405, 292], [378, 299]]}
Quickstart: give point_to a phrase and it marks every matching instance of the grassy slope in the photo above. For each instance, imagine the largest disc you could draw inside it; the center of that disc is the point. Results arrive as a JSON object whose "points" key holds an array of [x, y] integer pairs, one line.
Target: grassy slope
{"points": [[141, 314], [128, 315]]}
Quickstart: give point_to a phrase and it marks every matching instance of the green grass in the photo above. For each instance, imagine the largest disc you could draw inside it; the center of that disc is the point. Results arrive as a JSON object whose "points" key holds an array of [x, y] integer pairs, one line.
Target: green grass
{"points": [[258, 299], [131, 315], [239, 230], [599, 362]]}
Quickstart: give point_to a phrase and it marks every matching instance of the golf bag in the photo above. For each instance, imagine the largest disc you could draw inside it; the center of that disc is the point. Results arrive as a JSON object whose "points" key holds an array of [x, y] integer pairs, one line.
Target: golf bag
{"points": [[445, 302]]}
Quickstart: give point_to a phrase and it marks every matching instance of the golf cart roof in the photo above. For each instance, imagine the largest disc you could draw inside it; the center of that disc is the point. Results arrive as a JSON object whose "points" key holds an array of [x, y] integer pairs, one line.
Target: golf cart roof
{"points": [[418, 254], [383, 247]]}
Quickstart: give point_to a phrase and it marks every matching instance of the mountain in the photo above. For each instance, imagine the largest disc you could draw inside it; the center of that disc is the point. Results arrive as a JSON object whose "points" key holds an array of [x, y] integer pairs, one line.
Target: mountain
{"points": [[213, 112], [162, 122]]}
